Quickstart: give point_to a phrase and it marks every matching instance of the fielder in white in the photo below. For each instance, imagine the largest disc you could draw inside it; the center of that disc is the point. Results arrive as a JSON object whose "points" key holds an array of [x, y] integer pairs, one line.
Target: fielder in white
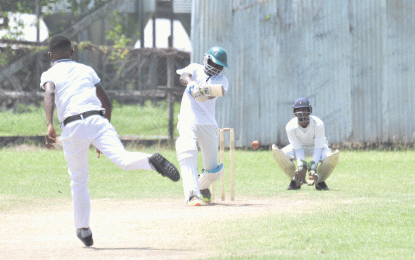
{"points": [[84, 111], [307, 139], [197, 124]]}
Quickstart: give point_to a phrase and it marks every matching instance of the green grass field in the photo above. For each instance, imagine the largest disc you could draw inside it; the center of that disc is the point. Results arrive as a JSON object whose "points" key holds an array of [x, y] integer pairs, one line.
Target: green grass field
{"points": [[149, 120], [369, 212]]}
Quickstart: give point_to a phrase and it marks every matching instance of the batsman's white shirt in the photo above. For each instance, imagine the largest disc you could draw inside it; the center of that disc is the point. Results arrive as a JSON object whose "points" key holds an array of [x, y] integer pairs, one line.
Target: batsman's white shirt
{"points": [[75, 90], [313, 136], [195, 112]]}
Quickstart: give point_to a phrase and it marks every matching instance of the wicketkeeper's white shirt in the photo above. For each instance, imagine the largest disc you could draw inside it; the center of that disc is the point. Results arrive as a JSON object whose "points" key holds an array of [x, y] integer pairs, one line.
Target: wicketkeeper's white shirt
{"points": [[195, 112], [311, 137], [75, 90]]}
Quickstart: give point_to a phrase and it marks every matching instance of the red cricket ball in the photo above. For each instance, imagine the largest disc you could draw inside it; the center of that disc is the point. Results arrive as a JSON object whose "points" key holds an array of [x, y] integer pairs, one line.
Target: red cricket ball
{"points": [[255, 145]]}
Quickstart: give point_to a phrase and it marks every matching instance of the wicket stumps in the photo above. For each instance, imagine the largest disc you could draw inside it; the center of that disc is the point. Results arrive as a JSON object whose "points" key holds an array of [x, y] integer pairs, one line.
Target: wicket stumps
{"points": [[222, 160]]}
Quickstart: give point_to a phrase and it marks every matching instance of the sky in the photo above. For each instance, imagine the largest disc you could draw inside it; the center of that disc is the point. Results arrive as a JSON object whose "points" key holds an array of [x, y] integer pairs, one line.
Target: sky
{"points": [[181, 40], [29, 30]]}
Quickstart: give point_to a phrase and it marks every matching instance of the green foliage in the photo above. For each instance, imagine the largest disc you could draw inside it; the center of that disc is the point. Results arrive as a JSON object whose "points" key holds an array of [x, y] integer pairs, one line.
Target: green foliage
{"points": [[23, 6], [82, 45], [7, 7], [79, 8], [6, 54], [14, 32], [266, 18], [118, 38]]}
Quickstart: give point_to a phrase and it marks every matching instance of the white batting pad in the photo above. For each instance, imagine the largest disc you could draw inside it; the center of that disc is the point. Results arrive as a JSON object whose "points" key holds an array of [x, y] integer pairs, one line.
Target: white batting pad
{"points": [[286, 165], [327, 166], [209, 177]]}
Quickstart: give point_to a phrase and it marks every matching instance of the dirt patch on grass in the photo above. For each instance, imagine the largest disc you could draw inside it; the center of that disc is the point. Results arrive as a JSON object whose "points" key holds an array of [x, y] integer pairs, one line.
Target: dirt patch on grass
{"points": [[123, 229]]}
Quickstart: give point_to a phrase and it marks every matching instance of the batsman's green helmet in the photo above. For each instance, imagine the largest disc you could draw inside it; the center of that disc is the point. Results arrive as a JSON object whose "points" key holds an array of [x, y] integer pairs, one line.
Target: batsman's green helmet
{"points": [[218, 55]]}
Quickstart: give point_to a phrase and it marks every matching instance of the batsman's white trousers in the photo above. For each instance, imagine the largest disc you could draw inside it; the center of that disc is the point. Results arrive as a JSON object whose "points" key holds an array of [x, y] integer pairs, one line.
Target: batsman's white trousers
{"points": [[308, 152], [191, 135], [76, 138]]}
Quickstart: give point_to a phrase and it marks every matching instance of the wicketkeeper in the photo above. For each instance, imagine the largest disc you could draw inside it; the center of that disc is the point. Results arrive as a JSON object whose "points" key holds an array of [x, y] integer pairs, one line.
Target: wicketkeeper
{"points": [[197, 124], [307, 139], [84, 111]]}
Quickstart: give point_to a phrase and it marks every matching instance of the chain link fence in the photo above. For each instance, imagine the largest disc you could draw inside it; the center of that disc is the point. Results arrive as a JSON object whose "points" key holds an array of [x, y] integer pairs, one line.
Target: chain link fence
{"points": [[143, 81]]}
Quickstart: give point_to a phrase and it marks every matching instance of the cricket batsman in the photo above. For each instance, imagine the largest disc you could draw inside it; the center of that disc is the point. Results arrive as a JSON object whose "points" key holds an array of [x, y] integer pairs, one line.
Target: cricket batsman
{"points": [[306, 138], [197, 124]]}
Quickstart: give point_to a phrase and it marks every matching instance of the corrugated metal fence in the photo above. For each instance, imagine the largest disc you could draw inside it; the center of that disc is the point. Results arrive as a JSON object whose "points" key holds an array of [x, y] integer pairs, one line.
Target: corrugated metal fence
{"points": [[353, 59]]}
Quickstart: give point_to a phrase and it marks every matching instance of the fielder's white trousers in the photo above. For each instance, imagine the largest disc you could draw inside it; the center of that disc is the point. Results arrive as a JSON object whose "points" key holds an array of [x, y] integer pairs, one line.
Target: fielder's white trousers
{"points": [[191, 135], [76, 138], [308, 152]]}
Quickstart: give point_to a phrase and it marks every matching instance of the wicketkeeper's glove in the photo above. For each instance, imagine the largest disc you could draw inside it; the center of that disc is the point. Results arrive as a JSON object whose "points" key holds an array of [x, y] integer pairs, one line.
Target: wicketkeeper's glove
{"points": [[301, 165], [300, 173], [313, 171]]}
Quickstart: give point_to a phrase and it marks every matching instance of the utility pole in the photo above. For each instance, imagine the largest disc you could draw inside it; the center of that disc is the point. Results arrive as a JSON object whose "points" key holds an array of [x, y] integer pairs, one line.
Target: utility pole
{"points": [[37, 21], [37, 66]]}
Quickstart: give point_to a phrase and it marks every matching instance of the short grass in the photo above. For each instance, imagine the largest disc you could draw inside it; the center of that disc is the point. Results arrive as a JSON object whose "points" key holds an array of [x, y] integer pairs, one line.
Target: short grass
{"points": [[149, 120], [367, 214]]}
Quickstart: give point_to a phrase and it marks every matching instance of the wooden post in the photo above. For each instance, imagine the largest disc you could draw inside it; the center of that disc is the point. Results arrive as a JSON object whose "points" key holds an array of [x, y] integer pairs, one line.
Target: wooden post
{"points": [[142, 20], [170, 95], [222, 160], [154, 31]]}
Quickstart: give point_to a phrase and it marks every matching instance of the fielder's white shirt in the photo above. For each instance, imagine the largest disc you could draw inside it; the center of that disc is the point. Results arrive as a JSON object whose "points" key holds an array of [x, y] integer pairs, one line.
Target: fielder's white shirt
{"points": [[313, 136], [195, 112], [75, 90]]}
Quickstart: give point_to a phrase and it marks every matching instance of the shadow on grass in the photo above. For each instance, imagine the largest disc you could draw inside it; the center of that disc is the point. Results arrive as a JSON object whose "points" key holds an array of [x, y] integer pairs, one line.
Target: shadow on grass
{"points": [[130, 248]]}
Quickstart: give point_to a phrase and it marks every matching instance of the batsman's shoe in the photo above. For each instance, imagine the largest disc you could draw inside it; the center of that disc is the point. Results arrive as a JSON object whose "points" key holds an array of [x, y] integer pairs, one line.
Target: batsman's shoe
{"points": [[195, 201], [206, 195], [299, 177], [293, 186], [321, 186], [88, 241], [164, 167]]}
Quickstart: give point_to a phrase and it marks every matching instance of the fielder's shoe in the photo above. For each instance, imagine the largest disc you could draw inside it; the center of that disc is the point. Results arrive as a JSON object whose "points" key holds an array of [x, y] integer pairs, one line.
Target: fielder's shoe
{"points": [[206, 195], [87, 240], [195, 201], [164, 167], [321, 186], [293, 186]]}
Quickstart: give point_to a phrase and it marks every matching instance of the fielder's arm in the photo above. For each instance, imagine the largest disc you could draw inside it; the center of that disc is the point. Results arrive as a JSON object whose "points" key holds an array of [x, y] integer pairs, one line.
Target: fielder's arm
{"points": [[105, 101], [49, 104]]}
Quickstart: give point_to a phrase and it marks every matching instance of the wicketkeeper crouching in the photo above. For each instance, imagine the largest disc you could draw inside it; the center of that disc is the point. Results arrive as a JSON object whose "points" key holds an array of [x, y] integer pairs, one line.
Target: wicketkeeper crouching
{"points": [[307, 139]]}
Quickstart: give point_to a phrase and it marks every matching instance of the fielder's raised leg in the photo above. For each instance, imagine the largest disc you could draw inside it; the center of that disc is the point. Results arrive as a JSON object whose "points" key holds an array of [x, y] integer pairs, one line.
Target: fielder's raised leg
{"points": [[84, 111]]}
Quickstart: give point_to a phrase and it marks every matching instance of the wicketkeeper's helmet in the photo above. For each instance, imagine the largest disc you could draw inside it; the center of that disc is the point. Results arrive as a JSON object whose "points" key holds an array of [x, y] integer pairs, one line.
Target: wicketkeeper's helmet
{"points": [[302, 115], [214, 61]]}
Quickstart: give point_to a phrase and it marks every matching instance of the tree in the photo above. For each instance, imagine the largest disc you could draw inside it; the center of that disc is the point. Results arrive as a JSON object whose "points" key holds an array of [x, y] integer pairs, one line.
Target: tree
{"points": [[23, 6]]}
